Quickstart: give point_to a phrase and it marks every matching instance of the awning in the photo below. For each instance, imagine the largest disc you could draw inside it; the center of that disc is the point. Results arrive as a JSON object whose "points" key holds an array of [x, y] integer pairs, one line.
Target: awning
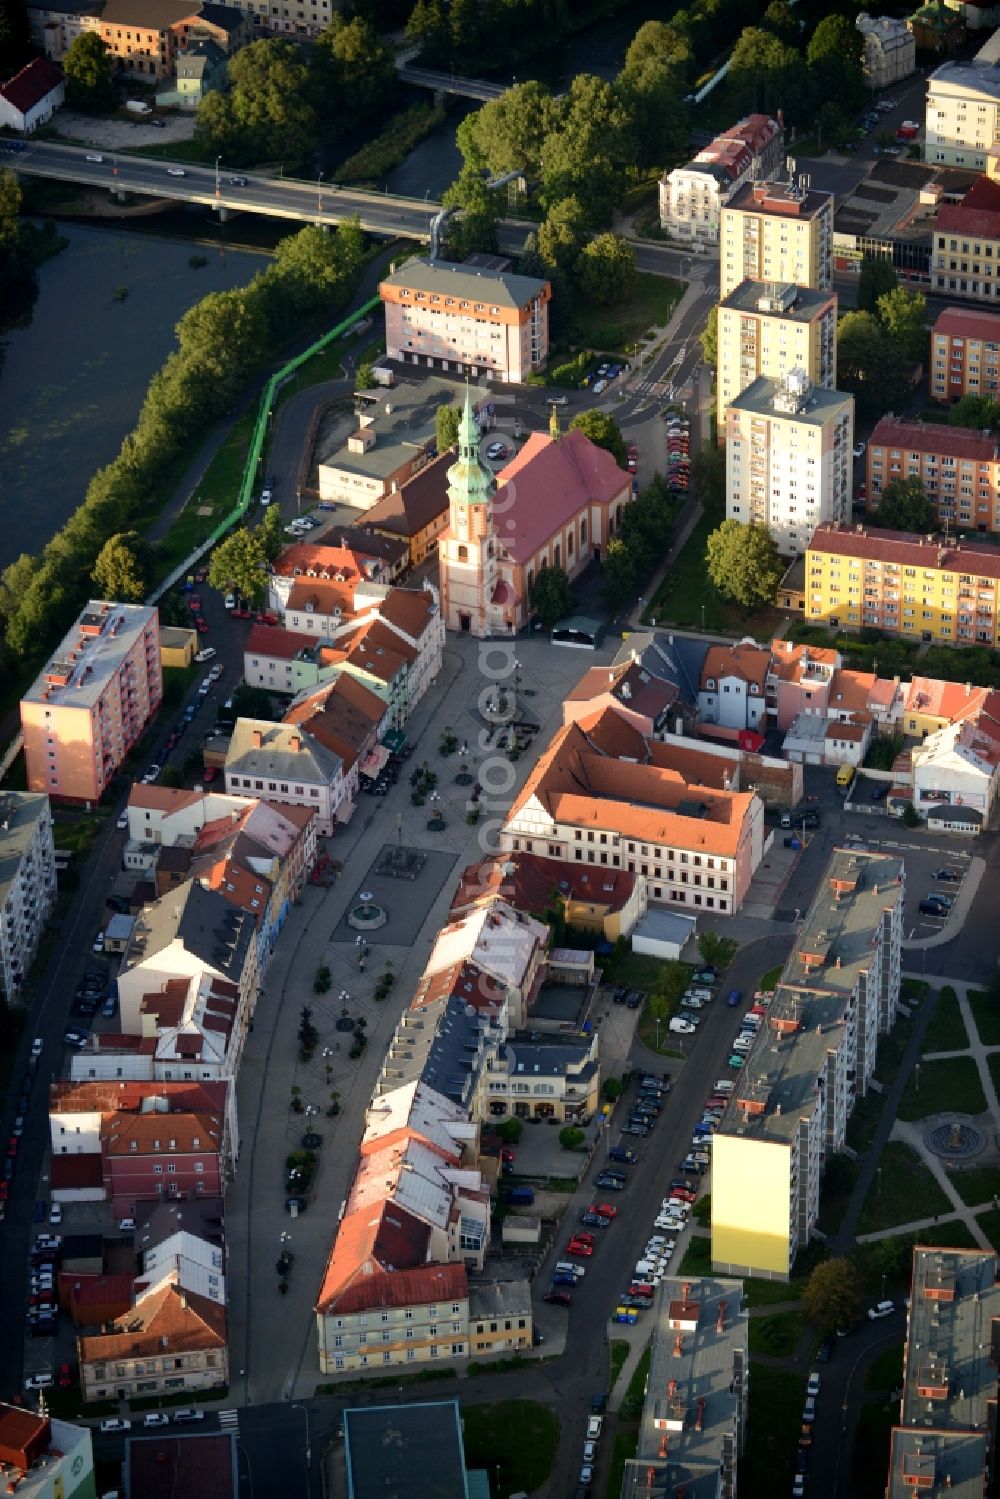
{"points": [[345, 810], [394, 741], [375, 760]]}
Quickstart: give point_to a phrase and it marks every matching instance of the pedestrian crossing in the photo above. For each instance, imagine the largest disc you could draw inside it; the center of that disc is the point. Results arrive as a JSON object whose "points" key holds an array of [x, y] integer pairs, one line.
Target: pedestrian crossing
{"points": [[229, 1420]]}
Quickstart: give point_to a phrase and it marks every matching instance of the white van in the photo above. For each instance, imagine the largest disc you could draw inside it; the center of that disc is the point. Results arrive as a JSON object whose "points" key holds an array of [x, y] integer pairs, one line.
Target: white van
{"points": [[566, 1267], [724, 1085], [94, 156]]}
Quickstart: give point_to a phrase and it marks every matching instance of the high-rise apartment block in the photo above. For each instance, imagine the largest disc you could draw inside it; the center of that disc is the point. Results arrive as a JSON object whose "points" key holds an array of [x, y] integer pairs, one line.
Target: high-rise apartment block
{"points": [[771, 329], [963, 114], [789, 458], [90, 704], [777, 231], [814, 1055], [27, 882]]}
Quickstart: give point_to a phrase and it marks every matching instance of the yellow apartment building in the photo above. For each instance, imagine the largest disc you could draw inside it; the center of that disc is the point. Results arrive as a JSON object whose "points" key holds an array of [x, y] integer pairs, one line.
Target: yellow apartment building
{"points": [[814, 1054], [770, 329], [916, 587], [90, 704], [777, 231]]}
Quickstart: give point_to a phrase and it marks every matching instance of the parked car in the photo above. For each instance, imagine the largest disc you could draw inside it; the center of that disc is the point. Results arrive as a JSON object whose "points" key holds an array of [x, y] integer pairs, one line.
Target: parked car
{"points": [[115, 1423], [156, 1418], [881, 1309], [953, 876], [559, 1298]]}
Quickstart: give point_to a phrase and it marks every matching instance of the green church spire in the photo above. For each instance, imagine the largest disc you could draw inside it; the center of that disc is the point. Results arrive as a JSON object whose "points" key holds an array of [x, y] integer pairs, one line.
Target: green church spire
{"points": [[469, 481]]}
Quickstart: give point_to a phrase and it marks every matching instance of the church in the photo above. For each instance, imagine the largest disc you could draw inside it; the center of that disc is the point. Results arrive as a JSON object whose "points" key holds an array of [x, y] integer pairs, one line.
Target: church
{"points": [[556, 504]]}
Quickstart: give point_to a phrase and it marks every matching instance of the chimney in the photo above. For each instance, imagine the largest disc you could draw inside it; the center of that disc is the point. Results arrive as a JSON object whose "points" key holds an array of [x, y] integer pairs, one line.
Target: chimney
{"points": [[258, 738], [678, 1346], [671, 1388], [295, 743], [720, 1322]]}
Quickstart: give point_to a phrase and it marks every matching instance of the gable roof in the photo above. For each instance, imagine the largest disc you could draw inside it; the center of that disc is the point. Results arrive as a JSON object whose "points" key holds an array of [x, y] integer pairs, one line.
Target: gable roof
{"points": [[978, 213], [32, 84], [416, 504], [549, 482], [744, 659], [448, 278], [216, 933], [190, 1323]]}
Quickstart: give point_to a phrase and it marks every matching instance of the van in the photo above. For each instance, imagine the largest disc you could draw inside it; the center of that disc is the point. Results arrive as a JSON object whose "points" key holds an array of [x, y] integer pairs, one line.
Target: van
{"points": [[126, 1225], [723, 1085], [845, 775], [94, 156], [566, 1267], [786, 818]]}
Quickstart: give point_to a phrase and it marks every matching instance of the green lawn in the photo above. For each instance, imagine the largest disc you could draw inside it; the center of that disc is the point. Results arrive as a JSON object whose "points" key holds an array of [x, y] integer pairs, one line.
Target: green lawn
{"points": [[912, 991], [886, 1371], [776, 1400], [702, 1210], [697, 1256], [189, 150], [688, 598], [990, 1224], [663, 1000], [624, 1447], [864, 1120], [951, 1233], [903, 1190], [986, 1014], [976, 1185], [769, 981], [943, 1087], [891, 1050], [648, 305], [870, 1458], [619, 1353], [836, 1190], [778, 1336], [770, 1292], [946, 1030], [514, 1440], [630, 1408]]}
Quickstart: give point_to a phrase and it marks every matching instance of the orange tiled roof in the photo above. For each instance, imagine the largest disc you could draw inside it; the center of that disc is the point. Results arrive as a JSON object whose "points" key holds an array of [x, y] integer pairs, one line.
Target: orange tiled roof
{"points": [[190, 1323], [907, 549], [529, 883], [948, 700], [748, 662], [161, 1134], [369, 1243], [409, 609]]}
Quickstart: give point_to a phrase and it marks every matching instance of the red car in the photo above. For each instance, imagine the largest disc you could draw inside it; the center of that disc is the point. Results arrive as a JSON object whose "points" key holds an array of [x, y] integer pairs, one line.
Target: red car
{"points": [[685, 1194], [65, 1376], [201, 625], [584, 1251], [267, 618], [559, 1298], [584, 1238], [210, 775], [194, 603], [641, 1288], [603, 1210], [507, 1155]]}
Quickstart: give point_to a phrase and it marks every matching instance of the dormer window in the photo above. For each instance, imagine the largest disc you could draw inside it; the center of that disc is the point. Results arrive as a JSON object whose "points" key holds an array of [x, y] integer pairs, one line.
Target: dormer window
{"points": [[710, 684], [754, 688]]}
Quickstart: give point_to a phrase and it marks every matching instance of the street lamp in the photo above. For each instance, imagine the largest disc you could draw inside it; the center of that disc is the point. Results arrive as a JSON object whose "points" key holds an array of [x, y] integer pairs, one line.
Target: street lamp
{"points": [[218, 183], [305, 1412], [319, 194]]}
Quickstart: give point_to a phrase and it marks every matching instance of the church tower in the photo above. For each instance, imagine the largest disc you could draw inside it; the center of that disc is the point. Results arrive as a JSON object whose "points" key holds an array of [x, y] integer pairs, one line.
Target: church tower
{"points": [[468, 549]]}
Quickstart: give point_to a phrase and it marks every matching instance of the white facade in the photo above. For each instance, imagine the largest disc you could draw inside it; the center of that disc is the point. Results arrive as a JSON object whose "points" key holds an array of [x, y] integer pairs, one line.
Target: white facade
{"points": [[963, 115], [789, 463], [732, 702], [890, 50], [190, 1262], [691, 200], [948, 770], [284, 764], [27, 117], [27, 883]]}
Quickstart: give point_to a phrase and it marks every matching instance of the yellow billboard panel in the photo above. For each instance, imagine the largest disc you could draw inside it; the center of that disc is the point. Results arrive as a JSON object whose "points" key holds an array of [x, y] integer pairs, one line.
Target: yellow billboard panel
{"points": [[751, 1211]]}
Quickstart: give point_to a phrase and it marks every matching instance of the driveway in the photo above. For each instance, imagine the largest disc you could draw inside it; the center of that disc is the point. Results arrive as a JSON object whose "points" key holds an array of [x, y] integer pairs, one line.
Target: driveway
{"points": [[120, 135]]}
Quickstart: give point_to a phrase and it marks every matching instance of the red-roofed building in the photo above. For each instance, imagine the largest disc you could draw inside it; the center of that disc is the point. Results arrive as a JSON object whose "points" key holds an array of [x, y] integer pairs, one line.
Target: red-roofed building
{"points": [[959, 468], [32, 96], [170, 1340], [558, 503], [607, 901], [691, 196], [965, 260], [965, 354]]}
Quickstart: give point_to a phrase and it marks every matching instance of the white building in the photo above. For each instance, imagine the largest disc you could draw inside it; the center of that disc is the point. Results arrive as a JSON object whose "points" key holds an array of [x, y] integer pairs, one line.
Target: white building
{"points": [[692, 196], [963, 114], [283, 763], [959, 766], [27, 883], [189, 1261], [789, 462], [32, 96], [890, 50], [733, 688], [771, 330]]}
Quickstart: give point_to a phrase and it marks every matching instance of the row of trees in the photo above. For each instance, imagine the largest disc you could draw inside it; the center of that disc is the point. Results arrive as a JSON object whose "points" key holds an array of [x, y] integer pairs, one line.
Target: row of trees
{"points": [[23, 246], [220, 342], [822, 87], [878, 350]]}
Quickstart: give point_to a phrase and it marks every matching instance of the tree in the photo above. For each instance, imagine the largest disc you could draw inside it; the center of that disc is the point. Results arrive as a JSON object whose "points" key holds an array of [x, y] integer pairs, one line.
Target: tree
{"points": [[428, 29], [364, 378], [15, 36], [612, 1089], [586, 155], [446, 420], [975, 411], [903, 506], [353, 73], [604, 432], [660, 42], [709, 337], [120, 571], [876, 278], [551, 597], [834, 59], [652, 95], [903, 315], [766, 73], [475, 230], [510, 1131], [620, 576], [238, 562], [530, 262], [563, 234], [571, 1138], [88, 74], [253, 702], [269, 112], [508, 134], [272, 533], [870, 364], [781, 20], [743, 563], [832, 1297], [606, 269]]}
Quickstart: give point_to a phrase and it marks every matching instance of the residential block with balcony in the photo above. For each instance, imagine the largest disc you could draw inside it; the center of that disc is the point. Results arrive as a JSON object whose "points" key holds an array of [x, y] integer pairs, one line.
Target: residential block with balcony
{"points": [[90, 705], [959, 467], [27, 883], [965, 254], [965, 354], [918, 587], [789, 461], [778, 232], [813, 1057], [768, 329]]}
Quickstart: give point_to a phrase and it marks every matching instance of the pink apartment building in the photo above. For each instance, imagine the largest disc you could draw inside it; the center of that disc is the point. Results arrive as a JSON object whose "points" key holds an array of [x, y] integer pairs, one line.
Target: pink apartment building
{"points": [[90, 704]]}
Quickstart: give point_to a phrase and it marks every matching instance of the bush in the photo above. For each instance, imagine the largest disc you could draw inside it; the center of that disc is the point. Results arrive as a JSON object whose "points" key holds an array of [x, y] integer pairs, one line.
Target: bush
{"points": [[510, 1131], [393, 146], [571, 1138]]}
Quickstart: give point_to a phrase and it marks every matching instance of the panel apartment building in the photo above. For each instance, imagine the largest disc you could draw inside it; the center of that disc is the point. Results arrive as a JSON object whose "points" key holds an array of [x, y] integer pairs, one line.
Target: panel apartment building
{"points": [[913, 586], [963, 114], [777, 231], [27, 883], [965, 354], [770, 329], [462, 317], [90, 704], [813, 1057], [789, 458], [959, 468]]}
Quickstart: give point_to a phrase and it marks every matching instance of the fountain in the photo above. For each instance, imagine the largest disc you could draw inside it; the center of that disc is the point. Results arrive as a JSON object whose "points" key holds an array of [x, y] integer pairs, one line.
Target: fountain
{"points": [[367, 915]]}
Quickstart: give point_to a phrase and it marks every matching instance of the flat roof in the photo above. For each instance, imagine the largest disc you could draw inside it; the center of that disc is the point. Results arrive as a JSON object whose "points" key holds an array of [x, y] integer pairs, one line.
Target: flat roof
{"points": [[954, 1305], [197, 1465], [89, 654], [20, 814], [780, 200], [791, 303], [815, 409], [499, 1298], [978, 78], [833, 948], [386, 1446], [696, 1383]]}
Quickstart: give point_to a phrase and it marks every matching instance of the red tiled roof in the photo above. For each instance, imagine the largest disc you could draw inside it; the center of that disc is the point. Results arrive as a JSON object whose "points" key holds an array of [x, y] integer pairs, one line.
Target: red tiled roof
{"points": [[377, 1238], [191, 1324], [977, 215], [31, 85], [70, 1172], [272, 640], [548, 483], [529, 883], [303, 555], [757, 130], [748, 662], [162, 1134], [948, 700], [116, 1096], [324, 597], [967, 322], [464, 981], [409, 609], [933, 437], [907, 549]]}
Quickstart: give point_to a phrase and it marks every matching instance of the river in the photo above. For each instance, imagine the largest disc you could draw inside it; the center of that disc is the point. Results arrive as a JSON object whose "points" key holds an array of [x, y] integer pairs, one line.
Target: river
{"points": [[73, 379], [600, 49]]}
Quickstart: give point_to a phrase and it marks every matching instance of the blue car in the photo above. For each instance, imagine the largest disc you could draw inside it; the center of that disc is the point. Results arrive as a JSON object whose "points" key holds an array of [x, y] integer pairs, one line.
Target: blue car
{"points": [[735, 995], [39, 1212], [561, 1279]]}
